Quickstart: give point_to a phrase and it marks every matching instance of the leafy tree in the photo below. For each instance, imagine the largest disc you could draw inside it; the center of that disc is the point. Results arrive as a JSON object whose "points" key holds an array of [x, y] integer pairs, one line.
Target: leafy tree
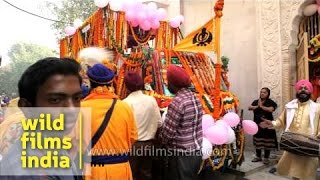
{"points": [[21, 55], [68, 11], [28, 53]]}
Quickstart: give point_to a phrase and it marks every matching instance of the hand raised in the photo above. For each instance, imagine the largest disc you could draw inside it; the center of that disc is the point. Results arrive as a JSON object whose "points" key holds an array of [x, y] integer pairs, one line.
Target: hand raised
{"points": [[259, 103], [265, 123]]}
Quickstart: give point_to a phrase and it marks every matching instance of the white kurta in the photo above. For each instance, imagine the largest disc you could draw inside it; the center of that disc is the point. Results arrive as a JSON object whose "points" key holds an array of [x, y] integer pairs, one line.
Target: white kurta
{"points": [[147, 114], [293, 165]]}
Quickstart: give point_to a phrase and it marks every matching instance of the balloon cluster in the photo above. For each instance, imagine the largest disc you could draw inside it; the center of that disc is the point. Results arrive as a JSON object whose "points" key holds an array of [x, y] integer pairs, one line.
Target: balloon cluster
{"points": [[146, 16], [312, 8], [221, 132]]}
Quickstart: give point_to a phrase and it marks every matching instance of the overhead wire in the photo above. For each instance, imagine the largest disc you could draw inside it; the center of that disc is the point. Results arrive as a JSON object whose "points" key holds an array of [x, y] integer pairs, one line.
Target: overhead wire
{"points": [[28, 12]]}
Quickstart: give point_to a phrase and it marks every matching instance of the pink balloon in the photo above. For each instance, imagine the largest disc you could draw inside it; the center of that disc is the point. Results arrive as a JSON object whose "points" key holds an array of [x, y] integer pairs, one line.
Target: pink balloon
{"points": [[250, 127], [130, 16], [174, 22], [217, 135], [318, 2], [138, 5], [146, 25], [134, 23], [222, 123], [128, 5], [232, 119], [153, 6], [207, 122], [70, 30], [155, 24], [151, 15], [141, 17], [161, 14]]}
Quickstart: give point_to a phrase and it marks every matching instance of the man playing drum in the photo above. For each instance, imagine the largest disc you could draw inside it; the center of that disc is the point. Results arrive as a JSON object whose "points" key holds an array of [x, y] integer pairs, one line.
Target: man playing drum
{"points": [[301, 116]]}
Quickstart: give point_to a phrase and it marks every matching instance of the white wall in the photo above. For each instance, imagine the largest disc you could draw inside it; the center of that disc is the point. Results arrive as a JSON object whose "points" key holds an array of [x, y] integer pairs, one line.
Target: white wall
{"points": [[240, 45], [197, 13], [238, 42]]}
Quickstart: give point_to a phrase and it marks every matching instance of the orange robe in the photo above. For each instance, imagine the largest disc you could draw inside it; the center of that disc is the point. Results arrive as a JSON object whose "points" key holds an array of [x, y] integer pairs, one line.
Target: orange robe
{"points": [[117, 138]]}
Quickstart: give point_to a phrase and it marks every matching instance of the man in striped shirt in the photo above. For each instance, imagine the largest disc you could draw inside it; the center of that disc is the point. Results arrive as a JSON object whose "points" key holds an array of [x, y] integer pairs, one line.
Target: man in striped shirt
{"points": [[182, 131]]}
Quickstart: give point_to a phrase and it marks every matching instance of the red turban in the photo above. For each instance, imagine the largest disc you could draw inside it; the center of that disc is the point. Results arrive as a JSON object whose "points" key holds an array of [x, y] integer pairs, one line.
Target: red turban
{"points": [[178, 76], [305, 83], [133, 81]]}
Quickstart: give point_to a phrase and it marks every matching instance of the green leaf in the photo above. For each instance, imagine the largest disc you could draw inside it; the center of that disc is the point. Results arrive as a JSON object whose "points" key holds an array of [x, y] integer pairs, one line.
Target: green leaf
{"points": [[69, 10]]}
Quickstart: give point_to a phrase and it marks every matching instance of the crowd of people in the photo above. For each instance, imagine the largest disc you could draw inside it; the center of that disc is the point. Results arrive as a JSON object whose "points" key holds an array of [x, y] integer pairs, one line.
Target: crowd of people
{"points": [[121, 127], [117, 126]]}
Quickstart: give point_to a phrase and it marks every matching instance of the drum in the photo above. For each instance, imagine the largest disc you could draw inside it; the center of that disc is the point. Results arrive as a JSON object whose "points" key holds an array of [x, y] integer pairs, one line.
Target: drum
{"points": [[300, 144]]}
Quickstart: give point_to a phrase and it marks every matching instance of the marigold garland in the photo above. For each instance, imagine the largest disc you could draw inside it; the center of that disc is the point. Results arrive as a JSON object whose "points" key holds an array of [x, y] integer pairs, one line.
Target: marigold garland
{"points": [[137, 39], [63, 47]]}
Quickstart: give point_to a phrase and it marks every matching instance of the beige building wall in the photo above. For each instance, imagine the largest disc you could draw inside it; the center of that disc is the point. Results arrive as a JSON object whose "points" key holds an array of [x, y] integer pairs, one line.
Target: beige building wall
{"points": [[238, 42]]}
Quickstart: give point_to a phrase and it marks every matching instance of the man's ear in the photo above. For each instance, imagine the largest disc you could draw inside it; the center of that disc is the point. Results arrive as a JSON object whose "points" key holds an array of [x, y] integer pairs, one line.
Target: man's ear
{"points": [[24, 103]]}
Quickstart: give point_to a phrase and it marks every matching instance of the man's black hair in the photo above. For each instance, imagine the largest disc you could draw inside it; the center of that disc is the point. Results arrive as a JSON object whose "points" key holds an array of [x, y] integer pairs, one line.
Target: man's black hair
{"points": [[94, 85], [72, 61], [38, 73]]}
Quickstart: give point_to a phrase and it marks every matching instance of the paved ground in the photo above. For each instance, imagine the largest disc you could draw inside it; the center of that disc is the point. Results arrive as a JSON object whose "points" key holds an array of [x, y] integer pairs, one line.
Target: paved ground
{"points": [[251, 171], [259, 171]]}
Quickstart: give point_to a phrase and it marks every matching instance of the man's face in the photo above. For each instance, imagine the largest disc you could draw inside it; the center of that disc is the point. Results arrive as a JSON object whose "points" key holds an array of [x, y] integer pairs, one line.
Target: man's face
{"points": [[303, 94], [61, 91]]}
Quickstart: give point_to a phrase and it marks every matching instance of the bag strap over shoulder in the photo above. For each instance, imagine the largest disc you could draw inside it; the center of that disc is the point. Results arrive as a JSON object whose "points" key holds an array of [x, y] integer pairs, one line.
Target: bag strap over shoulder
{"points": [[103, 126]]}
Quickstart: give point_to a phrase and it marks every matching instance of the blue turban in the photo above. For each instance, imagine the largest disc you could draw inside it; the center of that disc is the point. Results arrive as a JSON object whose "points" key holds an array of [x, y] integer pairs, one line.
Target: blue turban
{"points": [[85, 90], [100, 74], [6, 99]]}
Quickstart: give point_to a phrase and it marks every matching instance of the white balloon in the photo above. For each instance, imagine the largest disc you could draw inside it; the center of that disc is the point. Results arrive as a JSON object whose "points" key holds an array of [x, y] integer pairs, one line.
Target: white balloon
{"points": [[101, 3], [223, 123], [310, 9], [206, 148], [69, 30], [116, 5], [153, 6], [161, 14], [77, 23], [181, 18], [231, 135]]}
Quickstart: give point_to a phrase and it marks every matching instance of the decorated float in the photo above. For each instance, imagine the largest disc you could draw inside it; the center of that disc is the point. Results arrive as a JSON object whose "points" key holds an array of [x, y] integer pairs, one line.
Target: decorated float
{"points": [[144, 42]]}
